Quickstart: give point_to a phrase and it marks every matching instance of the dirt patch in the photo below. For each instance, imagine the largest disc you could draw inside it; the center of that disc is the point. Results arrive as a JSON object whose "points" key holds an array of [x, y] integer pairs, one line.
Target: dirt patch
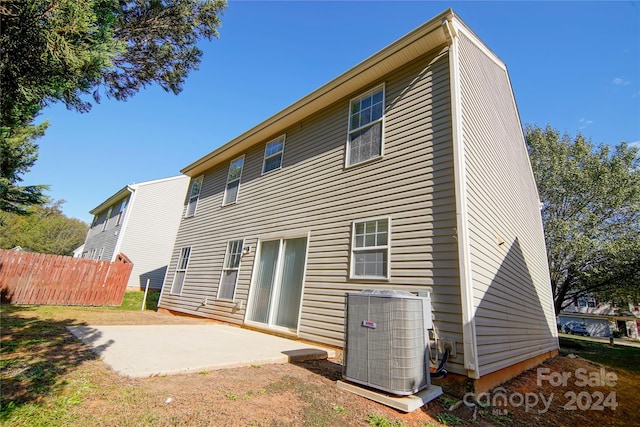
{"points": [[81, 390]]}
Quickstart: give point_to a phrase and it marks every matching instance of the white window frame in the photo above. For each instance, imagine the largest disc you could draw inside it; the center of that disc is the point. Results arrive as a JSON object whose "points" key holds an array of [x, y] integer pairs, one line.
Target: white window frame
{"points": [[181, 267], [280, 139], [232, 181], [123, 206], [106, 219], [100, 254], [194, 197], [355, 249], [354, 130], [587, 302], [228, 259]]}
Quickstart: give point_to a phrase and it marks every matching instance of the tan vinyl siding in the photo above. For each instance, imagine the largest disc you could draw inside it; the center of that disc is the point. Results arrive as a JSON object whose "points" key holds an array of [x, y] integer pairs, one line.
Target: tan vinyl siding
{"points": [[313, 192], [151, 223], [514, 315]]}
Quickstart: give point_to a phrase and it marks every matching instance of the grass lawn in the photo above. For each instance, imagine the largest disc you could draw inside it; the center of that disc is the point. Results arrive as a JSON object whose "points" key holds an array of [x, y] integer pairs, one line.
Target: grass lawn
{"points": [[48, 378], [616, 356], [133, 301]]}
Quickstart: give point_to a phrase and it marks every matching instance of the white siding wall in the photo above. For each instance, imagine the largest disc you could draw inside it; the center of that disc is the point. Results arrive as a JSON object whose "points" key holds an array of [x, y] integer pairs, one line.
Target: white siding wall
{"points": [[513, 304], [313, 192], [152, 221]]}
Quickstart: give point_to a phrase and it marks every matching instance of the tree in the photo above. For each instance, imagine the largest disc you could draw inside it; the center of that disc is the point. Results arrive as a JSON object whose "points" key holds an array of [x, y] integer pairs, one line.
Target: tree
{"points": [[18, 153], [47, 230], [591, 213], [64, 50], [52, 50]]}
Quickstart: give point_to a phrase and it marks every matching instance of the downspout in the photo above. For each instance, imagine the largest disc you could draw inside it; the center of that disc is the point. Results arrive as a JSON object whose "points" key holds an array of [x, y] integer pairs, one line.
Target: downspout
{"points": [[462, 222]]}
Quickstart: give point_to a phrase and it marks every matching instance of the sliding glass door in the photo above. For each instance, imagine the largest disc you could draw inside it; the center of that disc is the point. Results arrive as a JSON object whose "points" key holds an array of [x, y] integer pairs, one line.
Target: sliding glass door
{"points": [[277, 288]]}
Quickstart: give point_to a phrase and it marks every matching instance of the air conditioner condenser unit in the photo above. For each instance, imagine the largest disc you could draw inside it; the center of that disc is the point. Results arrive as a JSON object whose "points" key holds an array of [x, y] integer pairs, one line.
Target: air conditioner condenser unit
{"points": [[387, 340]]}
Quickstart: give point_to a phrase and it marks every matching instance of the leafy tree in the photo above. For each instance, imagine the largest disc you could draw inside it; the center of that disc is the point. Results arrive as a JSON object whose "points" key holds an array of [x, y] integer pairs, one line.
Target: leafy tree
{"points": [[59, 50], [18, 153], [52, 50], [47, 230], [64, 50], [591, 213], [161, 43]]}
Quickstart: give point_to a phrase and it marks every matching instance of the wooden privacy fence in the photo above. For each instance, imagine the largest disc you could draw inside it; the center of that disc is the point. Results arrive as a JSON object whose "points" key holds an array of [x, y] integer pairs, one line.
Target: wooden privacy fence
{"points": [[30, 278]]}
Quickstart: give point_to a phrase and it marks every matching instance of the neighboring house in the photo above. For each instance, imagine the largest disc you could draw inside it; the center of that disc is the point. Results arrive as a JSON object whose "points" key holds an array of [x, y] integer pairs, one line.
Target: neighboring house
{"points": [[141, 221], [603, 319], [407, 172], [77, 252]]}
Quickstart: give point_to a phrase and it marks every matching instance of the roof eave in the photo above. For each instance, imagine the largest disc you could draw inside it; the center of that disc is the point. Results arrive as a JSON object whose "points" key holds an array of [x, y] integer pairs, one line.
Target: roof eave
{"points": [[111, 200], [411, 46]]}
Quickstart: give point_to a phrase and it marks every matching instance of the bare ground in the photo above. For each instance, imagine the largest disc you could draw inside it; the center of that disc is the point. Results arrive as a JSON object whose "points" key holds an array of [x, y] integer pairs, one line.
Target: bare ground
{"points": [[46, 369]]}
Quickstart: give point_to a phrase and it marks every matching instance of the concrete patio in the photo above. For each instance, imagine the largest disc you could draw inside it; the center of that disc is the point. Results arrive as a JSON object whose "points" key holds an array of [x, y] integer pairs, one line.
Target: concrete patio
{"points": [[147, 350]]}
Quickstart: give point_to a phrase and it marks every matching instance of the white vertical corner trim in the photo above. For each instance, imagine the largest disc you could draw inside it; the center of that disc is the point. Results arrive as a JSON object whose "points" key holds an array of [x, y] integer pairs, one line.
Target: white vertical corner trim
{"points": [[125, 221], [464, 253]]}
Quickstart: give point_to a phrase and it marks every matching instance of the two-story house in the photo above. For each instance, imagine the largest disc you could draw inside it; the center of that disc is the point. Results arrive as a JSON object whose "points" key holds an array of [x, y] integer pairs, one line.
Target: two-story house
{"points": [[141, 221], [407, 172], [602, 318]]}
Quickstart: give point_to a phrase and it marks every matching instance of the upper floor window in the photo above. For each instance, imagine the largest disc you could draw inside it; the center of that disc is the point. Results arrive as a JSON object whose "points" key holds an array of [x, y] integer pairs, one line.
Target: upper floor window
{"points": [[365, 126], [230, 269], [106, 219], [233, 181], [194, 194], [123, 206], [181, 270], [587, 302], [370, 249], [273, 155]]}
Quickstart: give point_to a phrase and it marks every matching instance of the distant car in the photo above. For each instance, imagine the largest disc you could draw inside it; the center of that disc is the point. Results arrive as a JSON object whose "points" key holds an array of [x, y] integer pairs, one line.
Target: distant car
{"points": [[575, 328]]}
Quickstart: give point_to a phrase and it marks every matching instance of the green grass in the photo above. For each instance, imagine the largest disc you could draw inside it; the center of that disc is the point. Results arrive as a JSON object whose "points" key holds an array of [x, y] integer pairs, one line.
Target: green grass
{"points": [[35, 357], [448, 419], [616, 356], [132, 300], [447, 401], [376, 420], [37, 352], [339, 409]]}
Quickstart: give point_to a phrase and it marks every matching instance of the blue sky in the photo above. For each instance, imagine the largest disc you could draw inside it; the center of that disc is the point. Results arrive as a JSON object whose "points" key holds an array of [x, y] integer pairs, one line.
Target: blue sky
{"points": [[574, 65]]}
